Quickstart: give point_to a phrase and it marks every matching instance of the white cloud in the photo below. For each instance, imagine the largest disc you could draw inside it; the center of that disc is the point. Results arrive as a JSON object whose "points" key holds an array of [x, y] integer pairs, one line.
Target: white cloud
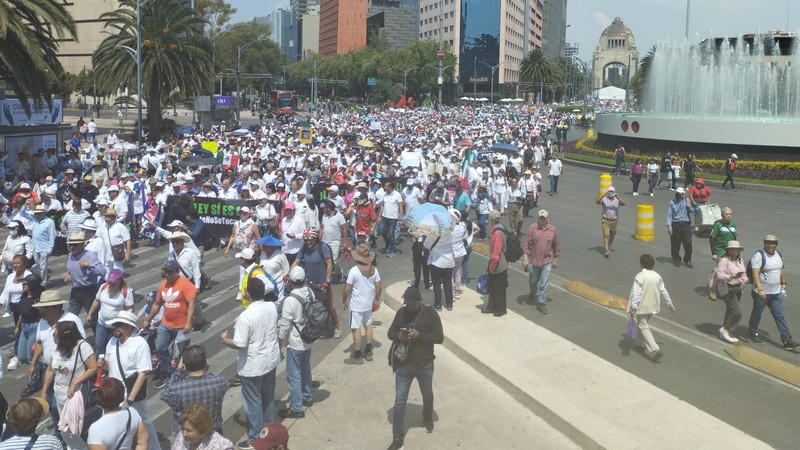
{"points": [[601, 20]]}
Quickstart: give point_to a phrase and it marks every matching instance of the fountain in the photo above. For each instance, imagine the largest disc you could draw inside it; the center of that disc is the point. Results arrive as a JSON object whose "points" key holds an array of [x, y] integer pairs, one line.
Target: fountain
{"points": [[716, 97]]}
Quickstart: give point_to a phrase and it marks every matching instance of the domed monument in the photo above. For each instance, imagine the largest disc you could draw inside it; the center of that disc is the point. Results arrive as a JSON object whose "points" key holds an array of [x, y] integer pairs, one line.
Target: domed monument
{"points": [[615, 58]]}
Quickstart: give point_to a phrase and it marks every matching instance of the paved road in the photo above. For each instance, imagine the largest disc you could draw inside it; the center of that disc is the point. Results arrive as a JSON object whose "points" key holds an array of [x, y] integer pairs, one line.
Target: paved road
{"points": [[695, 368]]}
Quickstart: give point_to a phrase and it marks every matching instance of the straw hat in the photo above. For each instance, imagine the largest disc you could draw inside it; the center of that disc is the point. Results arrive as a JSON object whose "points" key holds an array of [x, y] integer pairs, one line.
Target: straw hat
{"points": [[76, 238], [734, 244], [126, 317], [363, 254], [180, 235], [49, 298]]}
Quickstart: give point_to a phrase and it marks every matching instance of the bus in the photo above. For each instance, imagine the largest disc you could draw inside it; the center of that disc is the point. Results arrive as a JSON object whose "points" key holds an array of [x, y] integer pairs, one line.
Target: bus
{"points": [[280, 102]]}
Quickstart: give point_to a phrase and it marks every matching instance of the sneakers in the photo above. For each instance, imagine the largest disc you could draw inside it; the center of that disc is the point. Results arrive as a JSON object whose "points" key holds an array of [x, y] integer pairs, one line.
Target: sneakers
{"points": [[13, 363], [755, 339], [607, 253], [542, 308], [353, 360], [397, 444], [287, 413], [712, 294], [437, 308], [308, 403], [651, 194], [656, 355], [390, 254], [726, 336], [235, 381], [337, 333], [428, 424], [635, 194], [789, 344], [244, 445], [368, 356], [160, 381]]}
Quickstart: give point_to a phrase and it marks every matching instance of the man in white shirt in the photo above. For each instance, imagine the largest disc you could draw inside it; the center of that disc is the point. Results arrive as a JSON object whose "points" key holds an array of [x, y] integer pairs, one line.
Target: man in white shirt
{"points": [[411, 196], [298, 352], [391, 212], [334, 233], [227, 192], [361, 294], [255, 336]]}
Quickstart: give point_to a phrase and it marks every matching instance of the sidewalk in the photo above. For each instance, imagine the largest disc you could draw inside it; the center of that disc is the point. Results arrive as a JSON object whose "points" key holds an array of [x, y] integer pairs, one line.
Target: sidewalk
{"points": [[353, 406]]}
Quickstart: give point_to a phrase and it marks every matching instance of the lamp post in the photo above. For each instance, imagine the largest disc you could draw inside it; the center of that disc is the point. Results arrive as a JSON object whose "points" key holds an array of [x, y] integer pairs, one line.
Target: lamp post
{"points": [[314, 81], [585, 80], [214, 43], [284, 73], [239, 49], [405, 77], [493, 69], [441, 48], [139, 73]]}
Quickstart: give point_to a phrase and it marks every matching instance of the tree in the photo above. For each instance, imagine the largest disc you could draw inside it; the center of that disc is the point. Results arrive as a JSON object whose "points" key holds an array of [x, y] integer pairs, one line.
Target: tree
{"points": [[537, 68], [216, 12], [639, 79], [175, 54], [263, 57], [29, 31]]}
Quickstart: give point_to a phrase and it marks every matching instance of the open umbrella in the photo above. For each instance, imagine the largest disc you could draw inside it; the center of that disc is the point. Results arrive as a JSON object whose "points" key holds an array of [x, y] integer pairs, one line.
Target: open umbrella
{"points": [[464, 143], [201, 151], [365, 143], [197, 161], [504, 148], [429, 219], [400, 140], [240, 132], [347, 135], [130, 146]]}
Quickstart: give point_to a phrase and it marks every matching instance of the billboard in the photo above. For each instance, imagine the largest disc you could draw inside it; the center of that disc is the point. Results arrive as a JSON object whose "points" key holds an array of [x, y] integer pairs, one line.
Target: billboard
{"points": [[14, 145], [13, 114]]}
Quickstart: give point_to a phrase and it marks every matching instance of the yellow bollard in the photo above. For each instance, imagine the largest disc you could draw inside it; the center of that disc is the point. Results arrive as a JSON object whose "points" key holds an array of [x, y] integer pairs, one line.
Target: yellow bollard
{"points": [[605, 183], [644, 223], [590, 133]]}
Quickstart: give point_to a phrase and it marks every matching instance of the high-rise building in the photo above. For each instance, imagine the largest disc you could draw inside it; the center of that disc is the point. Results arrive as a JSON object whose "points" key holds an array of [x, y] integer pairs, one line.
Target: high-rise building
{"points": [[74, 55], [299, 9], [394, 20], [342, 26], [554, 28], [308, 39], [279, 22], [488, 37]]}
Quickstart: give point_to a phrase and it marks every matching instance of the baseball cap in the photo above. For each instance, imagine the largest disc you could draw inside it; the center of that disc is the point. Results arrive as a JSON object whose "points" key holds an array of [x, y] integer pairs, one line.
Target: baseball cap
{"points": [[494, 215], [543, 213], [411, 295], [680, 190], [171, 265], [246, 253], [611, 189], [288, 205], [114, 276], [272, 435], [297, 274]]}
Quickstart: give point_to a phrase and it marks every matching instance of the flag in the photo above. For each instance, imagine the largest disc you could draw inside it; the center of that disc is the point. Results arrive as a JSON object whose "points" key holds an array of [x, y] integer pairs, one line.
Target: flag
{"points": [[465, 165]]}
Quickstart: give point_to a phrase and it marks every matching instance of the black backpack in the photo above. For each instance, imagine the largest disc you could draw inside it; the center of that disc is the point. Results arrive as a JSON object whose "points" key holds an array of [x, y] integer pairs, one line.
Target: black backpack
{"points": [[317, 321], [513, 246]]}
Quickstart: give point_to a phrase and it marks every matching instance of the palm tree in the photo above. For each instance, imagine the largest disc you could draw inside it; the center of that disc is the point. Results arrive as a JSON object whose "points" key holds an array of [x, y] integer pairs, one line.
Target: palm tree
{"points": [[175, 54], [29, 30], [537, 68], [639, 79]]}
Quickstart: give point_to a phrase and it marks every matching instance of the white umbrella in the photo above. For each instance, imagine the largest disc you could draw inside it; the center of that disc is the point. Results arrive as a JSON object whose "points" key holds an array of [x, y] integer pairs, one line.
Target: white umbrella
{"points": [[466, 98], [483, 99], [518, 100], [129, 146]]}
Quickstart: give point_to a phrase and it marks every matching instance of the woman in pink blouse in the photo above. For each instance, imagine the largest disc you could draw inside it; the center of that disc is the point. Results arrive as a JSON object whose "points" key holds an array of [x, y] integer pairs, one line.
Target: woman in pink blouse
{"points": [[731, 279]]}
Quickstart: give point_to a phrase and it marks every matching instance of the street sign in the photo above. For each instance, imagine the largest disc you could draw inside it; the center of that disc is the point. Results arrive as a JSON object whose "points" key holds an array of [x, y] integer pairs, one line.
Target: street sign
{"points": [[305, 135], [439, 54], [372, 81]]}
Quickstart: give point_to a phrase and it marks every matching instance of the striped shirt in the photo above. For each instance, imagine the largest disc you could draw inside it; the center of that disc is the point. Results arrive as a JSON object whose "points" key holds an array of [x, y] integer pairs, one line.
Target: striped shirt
{"points": [[73, 220]]}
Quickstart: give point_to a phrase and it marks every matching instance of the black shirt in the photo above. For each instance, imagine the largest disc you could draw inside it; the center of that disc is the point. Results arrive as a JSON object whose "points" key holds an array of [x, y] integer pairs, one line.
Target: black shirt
{"points": [[429, 326]]}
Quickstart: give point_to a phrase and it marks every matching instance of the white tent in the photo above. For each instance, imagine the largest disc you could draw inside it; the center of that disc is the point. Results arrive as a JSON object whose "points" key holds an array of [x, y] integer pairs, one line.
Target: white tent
{"points": [[610, 93]]}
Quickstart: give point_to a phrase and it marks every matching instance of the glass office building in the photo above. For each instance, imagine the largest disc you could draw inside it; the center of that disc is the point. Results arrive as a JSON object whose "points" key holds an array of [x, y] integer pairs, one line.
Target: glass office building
{"points": [[480, 44]]}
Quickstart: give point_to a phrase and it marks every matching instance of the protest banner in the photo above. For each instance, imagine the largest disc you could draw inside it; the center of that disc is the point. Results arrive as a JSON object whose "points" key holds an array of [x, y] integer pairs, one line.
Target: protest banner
{"points": [[218, 215]]}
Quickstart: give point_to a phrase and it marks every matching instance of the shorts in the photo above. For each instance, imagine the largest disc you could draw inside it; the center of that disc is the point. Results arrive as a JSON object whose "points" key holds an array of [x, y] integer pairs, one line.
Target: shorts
{"points": [[609, 227], [357, 319], [666, 176]]}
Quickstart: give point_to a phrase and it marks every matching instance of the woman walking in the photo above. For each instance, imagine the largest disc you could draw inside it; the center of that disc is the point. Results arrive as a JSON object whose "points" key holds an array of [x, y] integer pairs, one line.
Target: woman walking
{"points": [[645, 300], [731, 279], [11, 296], [27, 322], [112, 297]]}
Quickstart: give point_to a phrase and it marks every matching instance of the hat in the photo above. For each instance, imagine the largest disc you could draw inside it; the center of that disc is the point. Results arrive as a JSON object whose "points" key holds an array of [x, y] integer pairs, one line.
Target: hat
{"points": [[110, 212], [334, 188], [13, 224], [244, 209], [48, 178], [733, 156], [455, 213], [494, 215], [208, 184], [39, 209], [97, 163], [417, 181], [771, 237], [180, 235], [124, 175], [114, 275], [88, 224], [288, 205], [409, 182], [177, 184], [49, 298], [88, 177], [680, 190], [311, 233], [481, 184], [411, 295], [76, 238], [171, 265], [440, 184], [126, 317], [69, 171], [246, 253], [32, 279], [175, 223], [543, 213], [700, 181], [528, 172], [361, 184], [113, 188], [734, 244], [297, 274], [270, 241], [24, 186], [611, 189], [363, 254], [272, 435]]}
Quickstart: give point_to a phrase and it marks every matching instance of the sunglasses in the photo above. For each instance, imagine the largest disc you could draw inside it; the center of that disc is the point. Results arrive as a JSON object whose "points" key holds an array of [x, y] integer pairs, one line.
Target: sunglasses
{"points": [[74, 245]]}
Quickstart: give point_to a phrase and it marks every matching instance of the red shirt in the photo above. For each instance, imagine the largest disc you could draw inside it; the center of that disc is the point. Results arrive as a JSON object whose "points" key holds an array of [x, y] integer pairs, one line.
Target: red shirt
{"points": [[174, 301], [364, 218], [700, 195]]}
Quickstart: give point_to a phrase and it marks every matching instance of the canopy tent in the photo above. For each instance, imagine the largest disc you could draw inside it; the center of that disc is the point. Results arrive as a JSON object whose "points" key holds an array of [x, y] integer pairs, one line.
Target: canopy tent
{"points": [[610, 93]]}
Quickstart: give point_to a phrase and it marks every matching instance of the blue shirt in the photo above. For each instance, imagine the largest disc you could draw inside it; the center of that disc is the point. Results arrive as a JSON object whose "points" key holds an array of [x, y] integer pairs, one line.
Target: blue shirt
{"points": [[677, 212], [85, 277], [462, 202], [43, 235]]}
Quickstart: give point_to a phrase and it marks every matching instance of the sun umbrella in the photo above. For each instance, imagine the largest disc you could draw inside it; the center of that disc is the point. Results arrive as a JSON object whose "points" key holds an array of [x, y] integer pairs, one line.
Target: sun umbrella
{"points": [[197, 161], [429, 219], [240, 132], [347, 135], [504, 148], [400, 140], [464, 143], [201, 151], [365, 143], [129, 146]]}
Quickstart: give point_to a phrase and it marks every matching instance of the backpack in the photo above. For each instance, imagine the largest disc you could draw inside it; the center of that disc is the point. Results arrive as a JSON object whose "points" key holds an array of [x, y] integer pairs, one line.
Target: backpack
{"points": [[317, 321], [749, 268], [512, 247]]}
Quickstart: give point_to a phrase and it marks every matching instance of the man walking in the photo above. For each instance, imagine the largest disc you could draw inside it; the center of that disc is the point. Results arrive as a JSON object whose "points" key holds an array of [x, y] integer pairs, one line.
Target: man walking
{"points": [[610, 204], [769, 290], [679, 228], [540, 256], [498, 267], [298, 351], [645, 300], [391, 212], [361, 295], [255, 337], [43, 238], [555, 173], [730, 169], [85, 272], [418, 328], [516, 204]]}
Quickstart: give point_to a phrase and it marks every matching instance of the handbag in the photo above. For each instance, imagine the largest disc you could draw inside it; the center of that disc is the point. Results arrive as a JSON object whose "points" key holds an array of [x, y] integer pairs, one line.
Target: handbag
{"points": [[118, 251], [87, 389], [131, 380], [712, 281], [631, 333], [482, 281], [399, 351]]}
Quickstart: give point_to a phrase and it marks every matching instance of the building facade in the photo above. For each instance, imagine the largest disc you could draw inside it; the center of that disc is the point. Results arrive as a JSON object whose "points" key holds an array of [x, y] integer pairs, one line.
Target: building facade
{"points": [[280, 24], [615, 58], [342, 26], [395, 21], [308, 39], [489, 38], [554, 28], [74, 55]]}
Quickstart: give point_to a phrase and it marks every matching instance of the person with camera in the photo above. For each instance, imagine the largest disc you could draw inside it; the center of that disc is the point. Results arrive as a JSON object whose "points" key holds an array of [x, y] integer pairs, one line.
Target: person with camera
{"points": [[610, 204], [415, 329]]}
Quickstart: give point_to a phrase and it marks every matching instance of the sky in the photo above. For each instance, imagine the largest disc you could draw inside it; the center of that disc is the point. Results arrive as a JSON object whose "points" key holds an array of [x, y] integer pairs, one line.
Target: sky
{"points": [[650, 20]]}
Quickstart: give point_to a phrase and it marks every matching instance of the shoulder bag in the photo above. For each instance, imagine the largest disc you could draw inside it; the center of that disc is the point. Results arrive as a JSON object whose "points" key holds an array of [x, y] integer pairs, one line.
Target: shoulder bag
{"points": [[131, 380]]}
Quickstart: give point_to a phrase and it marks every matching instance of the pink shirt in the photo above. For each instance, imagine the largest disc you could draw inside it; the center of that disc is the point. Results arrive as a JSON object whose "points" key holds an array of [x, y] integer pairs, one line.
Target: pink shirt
{"points": [[541, 245]]}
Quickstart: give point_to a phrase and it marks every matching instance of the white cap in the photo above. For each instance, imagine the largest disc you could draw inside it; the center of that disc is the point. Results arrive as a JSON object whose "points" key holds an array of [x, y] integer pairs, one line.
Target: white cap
{"points": [[297, 274], [247, 253]]}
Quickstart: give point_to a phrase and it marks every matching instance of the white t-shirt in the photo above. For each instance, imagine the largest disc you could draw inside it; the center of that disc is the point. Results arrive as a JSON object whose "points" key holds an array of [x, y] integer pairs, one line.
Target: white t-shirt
{"points": [[363, 294], [457, 239], [111, 306], [110, 429], [555, 166], [62, 368], [332, 228], [118, 234], [411, 197], [391, 205], [44, 334], [770, 271], [134, 354], [256, 335]]}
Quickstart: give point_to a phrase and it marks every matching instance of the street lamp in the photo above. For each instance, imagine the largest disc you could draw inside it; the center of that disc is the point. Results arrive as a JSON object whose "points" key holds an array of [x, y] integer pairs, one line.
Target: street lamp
{"points": [[441, 72], [139, 73], [284, 73], [135, 55], [586, 79], [405, 77], [239, 49], [314, 81], [214, 43], [493, 68]]}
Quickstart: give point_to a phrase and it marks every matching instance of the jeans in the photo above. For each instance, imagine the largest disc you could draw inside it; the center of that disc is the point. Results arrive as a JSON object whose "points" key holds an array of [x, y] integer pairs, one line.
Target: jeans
{"points": [[539, 275], [141, 408], [636, 178], [388, 227], [775, 304], [27, 337], [164, 338], [442, 276], [419, 257], [482, 225], [403, 377], [651, 182], [102, 334], [554, 184], [258, 401], [82, 298], [298, 376], [40, 259], [465, 267]]}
